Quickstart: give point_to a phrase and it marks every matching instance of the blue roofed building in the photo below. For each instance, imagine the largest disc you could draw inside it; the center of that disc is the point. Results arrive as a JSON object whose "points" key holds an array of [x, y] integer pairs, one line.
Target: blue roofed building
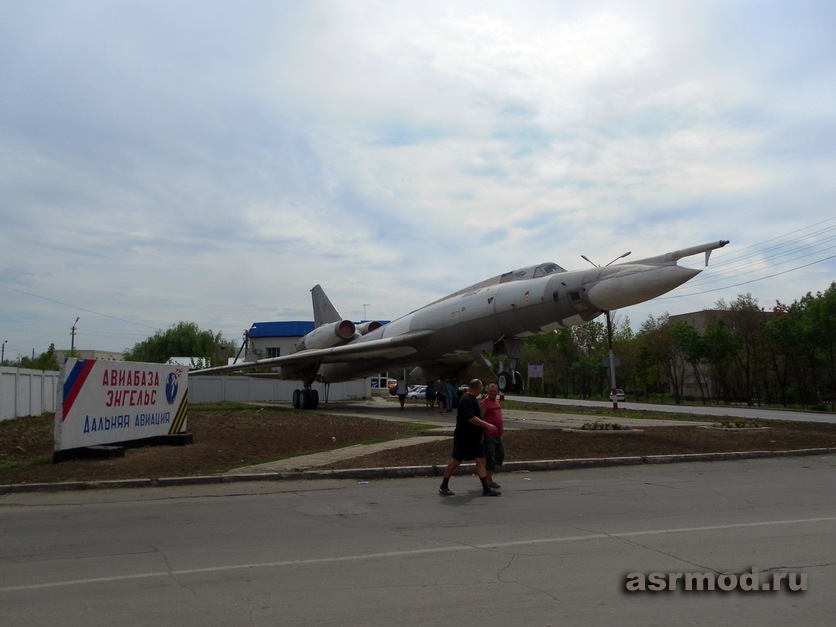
{"points": [[276, 339]]}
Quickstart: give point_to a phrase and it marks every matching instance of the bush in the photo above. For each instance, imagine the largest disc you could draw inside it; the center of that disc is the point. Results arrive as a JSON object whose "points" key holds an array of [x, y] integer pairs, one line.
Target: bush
{"points": [[601, 426], [737, 423]]}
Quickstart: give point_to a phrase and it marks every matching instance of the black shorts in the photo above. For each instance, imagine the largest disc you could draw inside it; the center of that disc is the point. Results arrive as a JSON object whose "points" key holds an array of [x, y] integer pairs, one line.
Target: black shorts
{"points": [[466, 450], [494, 452]]}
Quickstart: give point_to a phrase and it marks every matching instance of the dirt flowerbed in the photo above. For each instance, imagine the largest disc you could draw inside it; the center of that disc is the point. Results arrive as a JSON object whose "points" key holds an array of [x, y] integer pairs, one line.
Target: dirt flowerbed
{"points": [[229, 437]]}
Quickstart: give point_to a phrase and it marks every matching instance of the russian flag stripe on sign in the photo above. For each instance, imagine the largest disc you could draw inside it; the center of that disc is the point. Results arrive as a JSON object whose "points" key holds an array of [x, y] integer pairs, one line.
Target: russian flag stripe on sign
{"points": [[74, 383]]}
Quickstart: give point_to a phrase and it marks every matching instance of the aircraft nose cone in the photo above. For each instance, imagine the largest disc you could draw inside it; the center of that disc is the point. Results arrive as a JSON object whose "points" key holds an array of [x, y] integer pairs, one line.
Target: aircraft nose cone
{"points": [[631, 284]]}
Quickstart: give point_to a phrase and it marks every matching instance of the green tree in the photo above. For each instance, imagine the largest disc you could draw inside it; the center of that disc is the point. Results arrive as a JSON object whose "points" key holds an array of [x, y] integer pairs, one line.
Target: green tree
{"points": [[822, 326], [659, 350], [44, 361], [625, 349], [801, 339], [721, 345], [184, 339], [544, 349], [785, 348], [689, 348], [746, 319]]}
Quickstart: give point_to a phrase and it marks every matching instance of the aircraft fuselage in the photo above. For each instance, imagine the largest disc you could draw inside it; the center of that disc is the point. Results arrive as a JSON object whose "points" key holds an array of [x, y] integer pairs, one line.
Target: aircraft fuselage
{"points": [[469, 322], [444, 337]]}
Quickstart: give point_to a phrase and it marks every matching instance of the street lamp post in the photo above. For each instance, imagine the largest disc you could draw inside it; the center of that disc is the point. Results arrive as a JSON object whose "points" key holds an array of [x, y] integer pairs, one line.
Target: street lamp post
{"points": [[613, 387], [3, 352]]}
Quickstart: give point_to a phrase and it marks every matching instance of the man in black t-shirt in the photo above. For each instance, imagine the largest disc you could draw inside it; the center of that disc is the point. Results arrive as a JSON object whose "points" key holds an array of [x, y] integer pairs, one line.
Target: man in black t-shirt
{"points": [[467, 439]]}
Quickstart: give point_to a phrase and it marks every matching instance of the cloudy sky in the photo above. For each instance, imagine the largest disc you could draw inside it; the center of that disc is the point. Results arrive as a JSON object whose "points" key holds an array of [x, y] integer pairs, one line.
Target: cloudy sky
{"points": [[211, 161]]}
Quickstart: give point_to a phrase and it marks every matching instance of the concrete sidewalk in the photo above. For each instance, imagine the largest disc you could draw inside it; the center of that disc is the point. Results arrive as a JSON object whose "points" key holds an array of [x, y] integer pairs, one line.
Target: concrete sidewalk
{"points": [[314, 460], [382, 409]]}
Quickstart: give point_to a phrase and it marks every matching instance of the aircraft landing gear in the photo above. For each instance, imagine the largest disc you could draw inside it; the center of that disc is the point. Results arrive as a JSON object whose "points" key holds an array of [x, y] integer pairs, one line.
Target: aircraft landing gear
{"points": [[504, 381], [306, 398], [510, 381]]}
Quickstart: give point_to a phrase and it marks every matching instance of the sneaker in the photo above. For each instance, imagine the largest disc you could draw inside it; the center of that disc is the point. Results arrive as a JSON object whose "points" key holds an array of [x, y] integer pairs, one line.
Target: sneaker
{"points": [[494, 485], [445, 492], [491, 492]]}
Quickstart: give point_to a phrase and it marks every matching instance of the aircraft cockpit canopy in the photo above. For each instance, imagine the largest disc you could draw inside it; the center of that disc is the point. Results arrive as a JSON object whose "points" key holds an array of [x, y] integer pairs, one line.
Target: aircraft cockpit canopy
{"points": [[531, 272], [547, 268]]}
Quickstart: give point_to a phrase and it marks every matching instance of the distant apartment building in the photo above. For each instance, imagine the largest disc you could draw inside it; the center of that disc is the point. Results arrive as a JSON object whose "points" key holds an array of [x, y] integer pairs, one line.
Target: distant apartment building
{"points": [[91, 354], [701, 321]]}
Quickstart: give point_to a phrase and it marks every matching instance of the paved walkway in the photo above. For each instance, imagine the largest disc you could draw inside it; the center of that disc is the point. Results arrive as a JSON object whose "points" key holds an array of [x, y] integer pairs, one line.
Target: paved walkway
{"points": [[304, 462]]}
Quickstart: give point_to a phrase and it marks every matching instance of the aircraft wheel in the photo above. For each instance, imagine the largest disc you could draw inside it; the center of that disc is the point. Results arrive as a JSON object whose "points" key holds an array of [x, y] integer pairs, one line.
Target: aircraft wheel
{"points": [[314, 399], [305, 399], [519, 383], [297, 399], [504, 381]]}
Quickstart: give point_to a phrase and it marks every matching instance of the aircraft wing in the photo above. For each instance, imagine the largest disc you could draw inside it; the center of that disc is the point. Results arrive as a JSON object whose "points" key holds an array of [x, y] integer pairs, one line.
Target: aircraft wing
{"points": [[389, 347]]}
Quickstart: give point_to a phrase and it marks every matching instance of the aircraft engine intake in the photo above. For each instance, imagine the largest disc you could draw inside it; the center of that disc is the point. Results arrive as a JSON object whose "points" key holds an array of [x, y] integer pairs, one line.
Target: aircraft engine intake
{"points": [[327, 336]]}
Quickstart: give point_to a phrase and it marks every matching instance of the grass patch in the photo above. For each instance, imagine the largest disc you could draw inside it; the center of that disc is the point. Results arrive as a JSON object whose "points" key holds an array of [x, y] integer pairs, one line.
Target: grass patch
{"points": [[25, 463]]}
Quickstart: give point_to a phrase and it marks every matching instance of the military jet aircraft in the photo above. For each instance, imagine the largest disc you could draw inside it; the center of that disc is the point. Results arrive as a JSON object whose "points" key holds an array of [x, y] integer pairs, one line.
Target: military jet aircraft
{"points": [[444, 338]]}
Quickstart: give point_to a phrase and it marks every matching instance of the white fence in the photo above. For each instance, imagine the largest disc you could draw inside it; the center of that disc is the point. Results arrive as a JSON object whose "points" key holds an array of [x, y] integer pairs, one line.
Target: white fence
{"points": [[26, 392], [210, 389], [34, 392]]}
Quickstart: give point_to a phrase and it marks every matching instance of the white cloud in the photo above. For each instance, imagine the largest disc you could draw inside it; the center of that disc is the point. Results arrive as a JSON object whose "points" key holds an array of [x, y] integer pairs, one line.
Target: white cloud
{"points": [[164, 162]]}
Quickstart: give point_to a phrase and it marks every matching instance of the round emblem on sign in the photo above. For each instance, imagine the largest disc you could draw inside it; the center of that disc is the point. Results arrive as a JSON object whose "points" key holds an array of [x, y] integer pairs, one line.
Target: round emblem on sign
{"points": [[171, 386]]}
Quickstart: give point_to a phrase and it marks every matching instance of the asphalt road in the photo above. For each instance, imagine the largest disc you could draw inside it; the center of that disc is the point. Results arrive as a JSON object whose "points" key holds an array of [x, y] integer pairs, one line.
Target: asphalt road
{"points": [[556, 547]]}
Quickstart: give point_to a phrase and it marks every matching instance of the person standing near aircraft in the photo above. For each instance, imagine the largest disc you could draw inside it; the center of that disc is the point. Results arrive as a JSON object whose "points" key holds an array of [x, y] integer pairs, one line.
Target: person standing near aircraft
{"points": [[401, 391], [441, 395], [467, 440], [429, 391], [448, 398], [494, 447]]}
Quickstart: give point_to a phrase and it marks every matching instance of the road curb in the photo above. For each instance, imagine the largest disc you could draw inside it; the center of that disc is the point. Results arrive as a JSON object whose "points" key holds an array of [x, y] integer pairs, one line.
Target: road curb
{"points": [[403, 472]]}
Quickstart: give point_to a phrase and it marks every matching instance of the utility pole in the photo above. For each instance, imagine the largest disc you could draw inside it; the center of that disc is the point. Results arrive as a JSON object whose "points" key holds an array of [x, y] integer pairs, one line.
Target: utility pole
{"points": [[72, 341], [3, 352]]}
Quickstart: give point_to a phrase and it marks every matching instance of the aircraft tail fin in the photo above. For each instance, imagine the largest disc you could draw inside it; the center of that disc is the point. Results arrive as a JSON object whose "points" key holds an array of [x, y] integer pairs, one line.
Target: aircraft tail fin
{"points": [[324, 311]]}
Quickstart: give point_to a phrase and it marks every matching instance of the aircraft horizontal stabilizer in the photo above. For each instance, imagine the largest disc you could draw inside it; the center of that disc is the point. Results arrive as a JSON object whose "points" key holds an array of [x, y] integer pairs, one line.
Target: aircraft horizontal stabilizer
{"points": [[672, 257]]}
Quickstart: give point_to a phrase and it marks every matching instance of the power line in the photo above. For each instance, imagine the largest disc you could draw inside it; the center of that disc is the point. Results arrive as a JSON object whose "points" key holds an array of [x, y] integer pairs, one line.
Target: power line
{"points": [[757, 266], [725, 287], [76, 307], [768, 256]]}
